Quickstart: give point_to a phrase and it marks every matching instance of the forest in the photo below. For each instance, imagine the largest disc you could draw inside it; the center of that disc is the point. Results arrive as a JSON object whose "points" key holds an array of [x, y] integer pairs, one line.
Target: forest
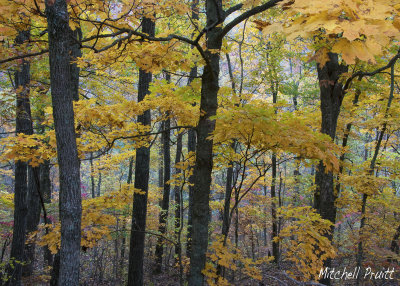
{"points": [[199, 142]]}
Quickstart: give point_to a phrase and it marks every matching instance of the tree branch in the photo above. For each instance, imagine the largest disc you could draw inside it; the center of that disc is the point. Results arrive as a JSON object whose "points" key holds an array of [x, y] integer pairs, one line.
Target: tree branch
{"points": [[360, 74], [24, 56], [246, 15], [233, 9]]}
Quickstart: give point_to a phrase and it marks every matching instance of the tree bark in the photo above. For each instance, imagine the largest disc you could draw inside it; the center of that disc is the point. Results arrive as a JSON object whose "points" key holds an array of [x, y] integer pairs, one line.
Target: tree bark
{"points": [[331, 95], [162, 227], [33, 217], [67, 154], [99, 185], [75, 52], [123, 243], [142, 165], [45, 190], [191, 147], [23, 125], [204, 148], [275, 244], [92, 176], [227, 201], [45, 183], [177, 194]]}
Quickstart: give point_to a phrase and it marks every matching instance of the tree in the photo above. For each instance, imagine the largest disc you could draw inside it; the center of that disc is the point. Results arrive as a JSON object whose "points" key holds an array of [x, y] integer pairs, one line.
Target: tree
{"points": [[67, 153], [142, 164], [23, 125], [206, 125], [331, 96], [166, 138]]}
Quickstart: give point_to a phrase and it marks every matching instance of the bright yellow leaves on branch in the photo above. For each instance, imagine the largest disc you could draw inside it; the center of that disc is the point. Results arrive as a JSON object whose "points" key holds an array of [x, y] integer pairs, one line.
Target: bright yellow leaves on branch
{"points": [[98, 126], [364, 182], [34, 149], [355, 29], [305, 241], [257, 125], [228, 256], [98, 218]]}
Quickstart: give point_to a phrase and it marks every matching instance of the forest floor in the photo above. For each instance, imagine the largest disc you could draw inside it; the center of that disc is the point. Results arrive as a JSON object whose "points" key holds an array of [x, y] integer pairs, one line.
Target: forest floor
{"points": [[272, 276]]}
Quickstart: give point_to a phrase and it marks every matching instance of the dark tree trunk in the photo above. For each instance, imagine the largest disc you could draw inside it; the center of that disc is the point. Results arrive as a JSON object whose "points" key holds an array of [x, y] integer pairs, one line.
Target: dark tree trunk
{"points": [[191, 147], [33, 217], [67, 154], [75, 52], [178, 193], [275, 245], [166, 137], [55, 271], [142, 165], [161, 163], [123, 243], [99, 186], [331, 95], [45, 190], [45, 183], [92, 176], [23, 125], [226, 218], [204, 149]]}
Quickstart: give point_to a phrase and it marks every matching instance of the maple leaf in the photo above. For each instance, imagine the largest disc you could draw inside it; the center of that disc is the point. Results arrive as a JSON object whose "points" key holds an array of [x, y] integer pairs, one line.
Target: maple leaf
{"points": [[321, 57]]}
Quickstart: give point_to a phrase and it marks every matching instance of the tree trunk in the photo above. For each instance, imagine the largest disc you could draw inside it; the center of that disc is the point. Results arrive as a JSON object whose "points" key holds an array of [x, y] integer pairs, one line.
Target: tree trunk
{"points": [[75, 52], [55, 271], [178, 193], [204, 149], [45, 183], [162, 227], [275, 245], [23, 125], [142, 165], [331, 95], [123, 243], [99, 186], [33, 217], [92, 176], [45, 190], [226, 218], [191, 147], [67, 154]]}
